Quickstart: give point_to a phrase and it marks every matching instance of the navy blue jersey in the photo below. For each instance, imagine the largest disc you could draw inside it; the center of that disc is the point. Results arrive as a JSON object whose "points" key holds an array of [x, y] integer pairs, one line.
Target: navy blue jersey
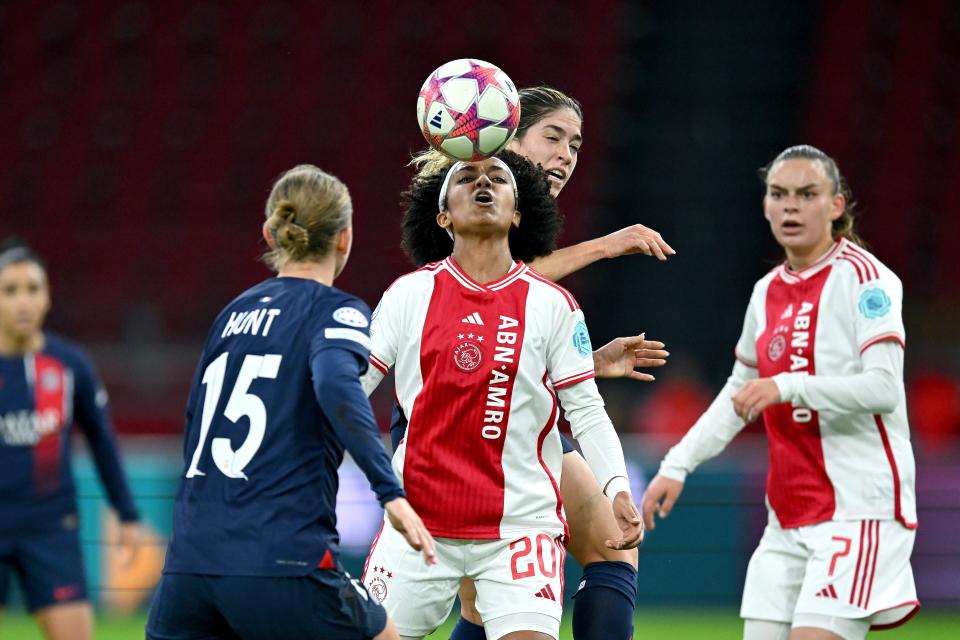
{"points": [[42, 395], [275, 400]]}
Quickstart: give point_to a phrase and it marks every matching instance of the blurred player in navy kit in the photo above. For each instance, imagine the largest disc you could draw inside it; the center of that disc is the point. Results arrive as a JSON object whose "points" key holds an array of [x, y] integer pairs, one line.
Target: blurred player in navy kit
{"points": [[47, 384], [275, 401]]}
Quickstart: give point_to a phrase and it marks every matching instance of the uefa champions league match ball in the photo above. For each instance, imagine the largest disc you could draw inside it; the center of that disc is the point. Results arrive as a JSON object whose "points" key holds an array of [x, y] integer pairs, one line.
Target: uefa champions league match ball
{"points": [[468, 109]]}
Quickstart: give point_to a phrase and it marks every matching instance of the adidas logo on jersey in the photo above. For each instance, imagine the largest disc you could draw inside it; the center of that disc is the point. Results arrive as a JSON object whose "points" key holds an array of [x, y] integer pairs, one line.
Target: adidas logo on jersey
{"points": [[827, 592], [473, 318], [546, 592]]}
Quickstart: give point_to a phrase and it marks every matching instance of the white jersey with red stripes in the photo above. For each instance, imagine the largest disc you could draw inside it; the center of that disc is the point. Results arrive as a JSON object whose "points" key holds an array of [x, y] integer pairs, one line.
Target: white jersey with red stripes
{"points": [[823, 464], [475, 369]]}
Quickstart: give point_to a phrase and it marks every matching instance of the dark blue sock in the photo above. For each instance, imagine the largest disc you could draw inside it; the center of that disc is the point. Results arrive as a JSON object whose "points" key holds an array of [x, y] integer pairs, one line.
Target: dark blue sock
{"points": [[604, 602], [466, 630]]}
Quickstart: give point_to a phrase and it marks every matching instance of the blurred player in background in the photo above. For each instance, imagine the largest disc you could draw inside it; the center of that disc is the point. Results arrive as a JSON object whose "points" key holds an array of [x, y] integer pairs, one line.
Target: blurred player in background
{"points": [[276, 399], [480, 343], [46, 385], [550, 135], [821, 359]]}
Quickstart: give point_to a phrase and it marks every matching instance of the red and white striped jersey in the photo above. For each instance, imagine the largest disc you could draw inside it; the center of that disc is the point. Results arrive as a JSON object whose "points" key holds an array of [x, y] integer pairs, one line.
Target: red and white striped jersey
{"points": [[475, 369], [831, 464]]}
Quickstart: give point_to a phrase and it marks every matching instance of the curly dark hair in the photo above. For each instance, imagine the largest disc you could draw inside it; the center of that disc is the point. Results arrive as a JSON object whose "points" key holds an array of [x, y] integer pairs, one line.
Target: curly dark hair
{"points": [[425, 241]]}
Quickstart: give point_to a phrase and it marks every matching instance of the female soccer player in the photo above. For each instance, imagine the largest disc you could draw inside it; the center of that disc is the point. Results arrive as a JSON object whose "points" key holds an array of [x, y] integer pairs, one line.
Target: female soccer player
{"points": [[275, 401], [821, 359], [47, 384], [550, 135], [478, 341]]}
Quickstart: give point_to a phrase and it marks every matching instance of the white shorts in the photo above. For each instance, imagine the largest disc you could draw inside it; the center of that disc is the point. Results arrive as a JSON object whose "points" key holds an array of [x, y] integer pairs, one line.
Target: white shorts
{"points": [[519, 582], [845, 569]]}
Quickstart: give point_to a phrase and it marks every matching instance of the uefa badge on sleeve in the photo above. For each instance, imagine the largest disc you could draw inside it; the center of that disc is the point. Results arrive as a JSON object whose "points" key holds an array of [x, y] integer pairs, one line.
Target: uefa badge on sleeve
{"points": [[581, 340], [874, 303]]}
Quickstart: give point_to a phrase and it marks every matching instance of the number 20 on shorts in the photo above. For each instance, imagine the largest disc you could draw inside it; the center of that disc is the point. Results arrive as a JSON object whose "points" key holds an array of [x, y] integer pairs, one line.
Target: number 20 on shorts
{"points": [[522, 566]]}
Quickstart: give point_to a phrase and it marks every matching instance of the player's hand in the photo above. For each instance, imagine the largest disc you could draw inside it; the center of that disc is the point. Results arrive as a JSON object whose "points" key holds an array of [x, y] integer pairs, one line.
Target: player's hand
{"points": [[628, 519], [619, 357], [755, 396], [636, 239], [129, 541], [661, 494], [405, 520]]}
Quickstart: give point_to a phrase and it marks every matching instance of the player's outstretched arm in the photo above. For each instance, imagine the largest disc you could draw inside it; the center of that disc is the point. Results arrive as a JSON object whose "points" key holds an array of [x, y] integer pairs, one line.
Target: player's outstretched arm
{"points": [[620, 358], [336, 385], [659, 498], [405, 520], [633, 239]]}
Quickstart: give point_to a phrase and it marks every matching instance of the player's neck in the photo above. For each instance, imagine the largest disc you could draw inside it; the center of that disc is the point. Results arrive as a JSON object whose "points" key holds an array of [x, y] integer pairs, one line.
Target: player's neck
{"points": [[322, 272], [484, 260], [15, 345], [800, 258]]}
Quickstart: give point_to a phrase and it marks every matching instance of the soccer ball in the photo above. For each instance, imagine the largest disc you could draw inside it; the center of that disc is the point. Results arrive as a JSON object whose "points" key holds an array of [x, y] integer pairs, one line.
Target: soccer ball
{"points": [[468, 109]]}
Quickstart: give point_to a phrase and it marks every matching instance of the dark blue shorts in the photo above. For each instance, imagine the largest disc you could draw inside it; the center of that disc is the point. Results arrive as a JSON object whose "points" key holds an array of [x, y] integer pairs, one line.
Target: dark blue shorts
{"points": [[325, 605], [567, 444], [47, 563]]}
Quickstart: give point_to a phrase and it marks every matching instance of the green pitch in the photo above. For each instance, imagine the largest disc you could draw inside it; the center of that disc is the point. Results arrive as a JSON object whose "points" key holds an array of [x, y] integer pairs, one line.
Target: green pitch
{"points": [[669, 625]]}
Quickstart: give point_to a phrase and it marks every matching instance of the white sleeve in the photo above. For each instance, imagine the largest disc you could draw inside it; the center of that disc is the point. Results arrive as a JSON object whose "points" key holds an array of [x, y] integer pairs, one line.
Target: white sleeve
{"points": [[371, 379], [879, 313], [746, 349], [591, 426], [712, 432], [874, 390], [569, 352], [386, 327]]}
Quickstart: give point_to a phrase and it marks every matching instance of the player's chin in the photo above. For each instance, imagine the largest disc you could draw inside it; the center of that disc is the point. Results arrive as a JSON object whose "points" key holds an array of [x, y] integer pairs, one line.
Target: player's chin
{"points": [[491, 219]]}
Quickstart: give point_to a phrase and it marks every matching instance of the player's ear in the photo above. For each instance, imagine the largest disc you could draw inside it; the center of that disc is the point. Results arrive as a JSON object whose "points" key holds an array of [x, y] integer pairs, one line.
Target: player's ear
{"points": [[443, 219], [516, 219], [46, 294], [344, 241], [268, 236], [838, 206]]}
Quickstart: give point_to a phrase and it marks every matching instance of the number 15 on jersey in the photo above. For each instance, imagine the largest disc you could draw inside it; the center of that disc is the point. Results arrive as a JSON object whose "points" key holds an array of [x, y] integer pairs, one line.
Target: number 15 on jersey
{"points": [[241, 403]]}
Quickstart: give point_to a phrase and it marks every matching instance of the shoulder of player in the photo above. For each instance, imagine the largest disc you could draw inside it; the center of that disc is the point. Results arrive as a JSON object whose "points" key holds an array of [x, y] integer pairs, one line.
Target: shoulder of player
{"points": [[414, 279], [550, 290], [67, 351], [336, 298], [760, 286], [862, 269], [335, 307]]}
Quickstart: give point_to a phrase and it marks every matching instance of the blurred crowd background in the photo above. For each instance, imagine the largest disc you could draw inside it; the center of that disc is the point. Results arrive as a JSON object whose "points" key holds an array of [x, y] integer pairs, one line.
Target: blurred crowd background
{"points": [[139, 141]]}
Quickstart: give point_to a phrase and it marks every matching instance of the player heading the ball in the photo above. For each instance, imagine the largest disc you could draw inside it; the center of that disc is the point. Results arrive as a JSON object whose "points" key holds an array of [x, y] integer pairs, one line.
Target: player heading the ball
{"points": [[482, 347]]}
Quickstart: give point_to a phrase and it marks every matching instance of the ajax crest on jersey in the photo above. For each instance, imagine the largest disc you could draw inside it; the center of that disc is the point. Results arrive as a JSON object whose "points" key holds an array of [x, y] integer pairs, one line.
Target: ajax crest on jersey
{"points": [[777, 347], [874, 303], [467, 355], [468, 109], [581, 340]]}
